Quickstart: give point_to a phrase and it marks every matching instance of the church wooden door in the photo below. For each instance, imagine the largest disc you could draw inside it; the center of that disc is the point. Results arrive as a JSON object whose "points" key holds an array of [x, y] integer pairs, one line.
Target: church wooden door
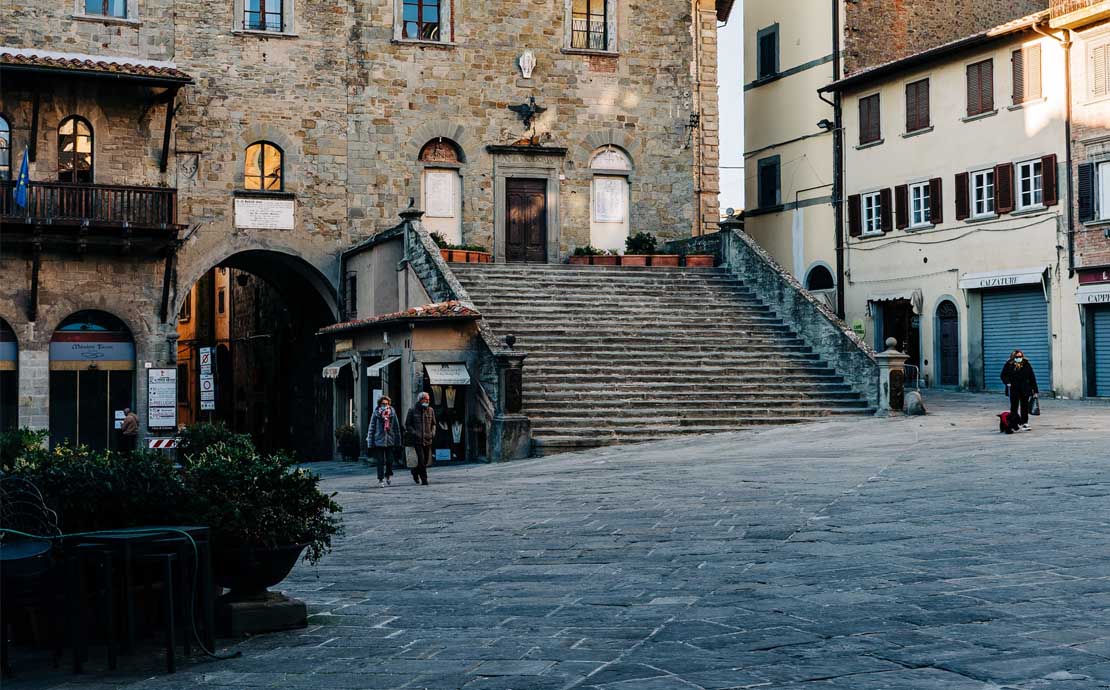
{"points": [[526, 220]]}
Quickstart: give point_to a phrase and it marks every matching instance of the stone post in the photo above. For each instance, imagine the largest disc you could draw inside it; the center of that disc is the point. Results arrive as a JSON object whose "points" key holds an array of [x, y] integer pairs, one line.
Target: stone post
{"points": [[511, 431], [892, 379]]}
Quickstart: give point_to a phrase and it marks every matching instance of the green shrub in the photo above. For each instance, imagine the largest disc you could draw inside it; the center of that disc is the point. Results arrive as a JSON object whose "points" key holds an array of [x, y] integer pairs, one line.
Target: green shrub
{"points": [[346, 437], [250, 499], [440, 240], [20, 447], [640, 243], [588, 250], [196, 438]]}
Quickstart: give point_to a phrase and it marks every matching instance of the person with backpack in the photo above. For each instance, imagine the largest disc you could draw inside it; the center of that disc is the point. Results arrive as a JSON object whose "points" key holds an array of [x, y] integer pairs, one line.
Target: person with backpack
{"points": [[1021, 384], [383, 438]]}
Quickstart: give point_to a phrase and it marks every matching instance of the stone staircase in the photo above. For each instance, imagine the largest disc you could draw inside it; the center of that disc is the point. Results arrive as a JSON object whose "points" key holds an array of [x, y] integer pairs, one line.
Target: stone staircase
{"points": [[623, 355]]}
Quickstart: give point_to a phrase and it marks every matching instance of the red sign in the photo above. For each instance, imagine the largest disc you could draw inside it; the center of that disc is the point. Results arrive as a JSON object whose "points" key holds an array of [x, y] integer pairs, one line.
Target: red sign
{"points": [[1094, 277]]}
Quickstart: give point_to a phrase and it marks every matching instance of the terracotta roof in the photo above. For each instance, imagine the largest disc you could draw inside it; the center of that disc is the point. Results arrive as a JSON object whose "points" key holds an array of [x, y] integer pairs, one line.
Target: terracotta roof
{"points": [[122, 67], [441, 310], [936, 53]]}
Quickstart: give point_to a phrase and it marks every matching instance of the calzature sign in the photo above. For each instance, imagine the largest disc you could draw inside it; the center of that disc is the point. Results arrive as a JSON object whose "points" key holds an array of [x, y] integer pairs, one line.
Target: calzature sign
{"points": [[264, 214], [161, 398]]}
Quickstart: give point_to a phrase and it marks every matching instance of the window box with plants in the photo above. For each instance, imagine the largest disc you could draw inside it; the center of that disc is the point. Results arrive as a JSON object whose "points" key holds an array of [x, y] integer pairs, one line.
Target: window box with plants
{"points": [[461, 253]]}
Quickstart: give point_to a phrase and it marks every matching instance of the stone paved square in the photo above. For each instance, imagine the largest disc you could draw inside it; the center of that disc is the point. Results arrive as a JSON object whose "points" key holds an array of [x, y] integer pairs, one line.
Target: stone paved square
{"points": [[860, 554]]}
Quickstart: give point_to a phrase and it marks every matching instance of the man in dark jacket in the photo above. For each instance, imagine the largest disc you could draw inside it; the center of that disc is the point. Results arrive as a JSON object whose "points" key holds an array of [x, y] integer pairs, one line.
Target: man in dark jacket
{"points": [[1021, 383], [421, 426]]}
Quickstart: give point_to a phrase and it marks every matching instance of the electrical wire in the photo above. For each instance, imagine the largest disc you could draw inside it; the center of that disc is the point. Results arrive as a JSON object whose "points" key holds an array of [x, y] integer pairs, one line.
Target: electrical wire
{"points": [[891, 243], [147, 530]]}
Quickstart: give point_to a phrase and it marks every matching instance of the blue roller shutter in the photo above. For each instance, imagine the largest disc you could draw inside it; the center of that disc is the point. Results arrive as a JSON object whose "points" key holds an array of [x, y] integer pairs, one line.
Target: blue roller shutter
{"points": [[1100, 317], [1016, 320]]}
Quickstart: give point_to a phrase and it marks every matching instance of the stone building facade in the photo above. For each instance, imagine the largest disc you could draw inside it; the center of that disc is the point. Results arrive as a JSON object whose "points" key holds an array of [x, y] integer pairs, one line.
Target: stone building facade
{"points": [[348, 97]]}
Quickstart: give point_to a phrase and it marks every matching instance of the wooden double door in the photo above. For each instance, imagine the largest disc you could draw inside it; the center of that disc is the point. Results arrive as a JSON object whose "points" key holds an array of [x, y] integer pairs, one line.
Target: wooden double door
{"points": [[526, 220]]}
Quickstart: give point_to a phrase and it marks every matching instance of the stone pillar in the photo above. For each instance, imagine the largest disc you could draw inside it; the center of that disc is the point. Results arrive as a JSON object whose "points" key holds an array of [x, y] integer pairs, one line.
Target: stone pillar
{"points": [[892, 379], [511, 431], [34, 388]]}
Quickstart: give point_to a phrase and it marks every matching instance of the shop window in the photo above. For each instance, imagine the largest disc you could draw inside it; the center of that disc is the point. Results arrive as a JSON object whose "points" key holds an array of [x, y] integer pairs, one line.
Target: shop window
{"points": [[264, 169], [75, 150]]}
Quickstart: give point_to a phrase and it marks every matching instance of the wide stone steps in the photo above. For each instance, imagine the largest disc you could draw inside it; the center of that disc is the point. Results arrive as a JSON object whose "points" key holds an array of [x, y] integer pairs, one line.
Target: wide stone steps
{"points": [[623, 355]]}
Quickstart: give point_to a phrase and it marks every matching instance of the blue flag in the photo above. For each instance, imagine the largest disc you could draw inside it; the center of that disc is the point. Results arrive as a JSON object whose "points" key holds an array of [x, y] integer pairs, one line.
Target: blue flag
{"points": [[21, 182]]}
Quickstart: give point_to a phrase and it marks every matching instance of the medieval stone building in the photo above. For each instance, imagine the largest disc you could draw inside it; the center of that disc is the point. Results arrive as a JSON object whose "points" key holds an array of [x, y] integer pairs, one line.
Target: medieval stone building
{"points": [[164, 139]]}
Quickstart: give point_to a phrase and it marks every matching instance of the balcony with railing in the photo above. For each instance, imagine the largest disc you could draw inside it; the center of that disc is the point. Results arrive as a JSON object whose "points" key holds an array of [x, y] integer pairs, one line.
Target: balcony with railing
{"points": [[89, 214], [1073, 14]]}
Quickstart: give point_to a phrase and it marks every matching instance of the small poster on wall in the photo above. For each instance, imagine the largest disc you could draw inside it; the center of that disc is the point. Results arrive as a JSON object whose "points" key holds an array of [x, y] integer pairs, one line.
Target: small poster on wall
{"points": [[161, 398]]}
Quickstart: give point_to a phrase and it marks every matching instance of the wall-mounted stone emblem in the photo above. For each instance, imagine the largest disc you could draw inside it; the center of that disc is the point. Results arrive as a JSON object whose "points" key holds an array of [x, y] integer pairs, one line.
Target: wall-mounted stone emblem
{"points": [[527, 62]]}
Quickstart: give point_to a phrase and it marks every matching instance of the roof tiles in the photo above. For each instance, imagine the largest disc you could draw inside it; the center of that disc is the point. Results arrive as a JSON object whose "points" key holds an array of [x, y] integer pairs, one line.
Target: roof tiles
{"points": [[78, 64], [440, 310]]}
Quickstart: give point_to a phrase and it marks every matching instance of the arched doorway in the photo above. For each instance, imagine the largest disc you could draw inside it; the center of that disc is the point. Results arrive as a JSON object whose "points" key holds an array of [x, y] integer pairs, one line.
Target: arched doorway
{"points": [[256, 315], [92, 379], [9, 378], [948, 344]]}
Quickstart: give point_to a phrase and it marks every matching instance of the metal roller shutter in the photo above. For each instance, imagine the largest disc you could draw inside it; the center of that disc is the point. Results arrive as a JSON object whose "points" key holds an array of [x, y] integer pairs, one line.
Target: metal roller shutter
{"points": [[1100, 317], [1012, 320]]}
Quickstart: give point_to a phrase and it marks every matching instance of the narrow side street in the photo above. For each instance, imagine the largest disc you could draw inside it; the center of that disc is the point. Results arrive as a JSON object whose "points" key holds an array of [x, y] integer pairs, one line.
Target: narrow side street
{"points": [[855, 554]]}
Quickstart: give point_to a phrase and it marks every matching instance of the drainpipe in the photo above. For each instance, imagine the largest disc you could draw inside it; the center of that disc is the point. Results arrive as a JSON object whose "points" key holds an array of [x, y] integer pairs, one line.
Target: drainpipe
{"points": [[1065, 43], [838, 163]]}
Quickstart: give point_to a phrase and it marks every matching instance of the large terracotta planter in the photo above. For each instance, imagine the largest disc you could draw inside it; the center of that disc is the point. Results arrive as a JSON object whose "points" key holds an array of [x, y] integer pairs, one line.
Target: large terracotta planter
{"points": [[446, 254], [605, 260], [635, 259], [665, 260], [701, 261], [473, 257], [458, 256], [247, 571], [580, 259]]}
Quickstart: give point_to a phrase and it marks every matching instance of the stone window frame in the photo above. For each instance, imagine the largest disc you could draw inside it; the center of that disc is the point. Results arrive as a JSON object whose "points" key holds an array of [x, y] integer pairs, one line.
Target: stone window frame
{"points": [[446, 25], [132, 18], [612, 17], [624, 172], [457, 166], [288, 20]]}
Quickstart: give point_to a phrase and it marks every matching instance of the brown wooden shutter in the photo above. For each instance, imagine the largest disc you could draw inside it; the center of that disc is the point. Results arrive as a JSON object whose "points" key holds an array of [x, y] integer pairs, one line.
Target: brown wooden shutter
{"points": [[855, 216], [986, 85], [923, 114], [1033, 72], [885, 215], [1099, 70], [1050, 194], [936, 201], [1004, 188], [1086, 192], [963, 207], [911, 107], [902, 207], [973, 103], [1018, 60], [869, 126]]}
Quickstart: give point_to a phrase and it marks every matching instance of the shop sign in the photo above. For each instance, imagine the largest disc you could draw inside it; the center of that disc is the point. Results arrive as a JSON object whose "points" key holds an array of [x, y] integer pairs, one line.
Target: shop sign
{"points": [[264, 214], [1094, 277], [63, 351], [344, 344], [161, 398], [1093, 294], [1001, 279]]}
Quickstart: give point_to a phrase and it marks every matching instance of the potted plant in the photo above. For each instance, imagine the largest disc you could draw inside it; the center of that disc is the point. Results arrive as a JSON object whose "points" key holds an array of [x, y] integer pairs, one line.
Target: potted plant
{"points": [[443, 244], [701, 260], [666, 260], [476, 254], [638, 249], [347, 442], [607, 258], [583, 256]]}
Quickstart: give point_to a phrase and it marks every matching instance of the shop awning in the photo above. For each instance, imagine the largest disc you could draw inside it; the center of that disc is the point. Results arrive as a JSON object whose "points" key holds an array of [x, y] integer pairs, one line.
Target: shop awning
{"points": [[376, 369], [448, 374], [1093, 294], [332, 370], [1003, 279], [913, 296]]}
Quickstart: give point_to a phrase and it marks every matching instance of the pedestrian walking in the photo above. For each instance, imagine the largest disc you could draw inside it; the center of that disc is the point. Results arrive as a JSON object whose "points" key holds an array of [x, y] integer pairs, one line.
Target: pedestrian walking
{"points": [[383, 438], [1021, 384], [421, 426], [128, 431]]}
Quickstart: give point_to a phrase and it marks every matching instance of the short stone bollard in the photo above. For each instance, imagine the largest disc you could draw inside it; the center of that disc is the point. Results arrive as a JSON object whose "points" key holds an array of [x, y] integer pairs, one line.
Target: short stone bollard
{"points": [[892, 379]]}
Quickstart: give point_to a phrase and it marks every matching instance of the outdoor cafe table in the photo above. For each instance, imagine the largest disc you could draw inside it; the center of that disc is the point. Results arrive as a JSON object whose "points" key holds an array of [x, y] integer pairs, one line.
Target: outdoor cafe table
{"points": [[136, 542]]}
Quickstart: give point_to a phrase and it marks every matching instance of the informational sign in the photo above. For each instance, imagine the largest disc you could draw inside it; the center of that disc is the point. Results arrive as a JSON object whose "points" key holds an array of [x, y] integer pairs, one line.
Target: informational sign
{"points": [[344, 344], [264, 214], [610, 200], [443, 454], [117, 417], [207, 380], [439, 193], [161, 398]]}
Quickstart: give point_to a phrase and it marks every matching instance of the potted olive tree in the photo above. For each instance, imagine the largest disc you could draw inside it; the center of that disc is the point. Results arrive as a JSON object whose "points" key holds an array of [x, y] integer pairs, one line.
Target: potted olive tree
{"points": [[638, 249]]}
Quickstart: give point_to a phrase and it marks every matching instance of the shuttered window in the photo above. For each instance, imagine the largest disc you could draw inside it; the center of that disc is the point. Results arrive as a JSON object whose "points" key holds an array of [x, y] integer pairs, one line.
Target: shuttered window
{"points": [[352, 296], [1027, 74], [769, 183], [872, 214], [869, 124], [767, 45], [980, 88], [917, 105], [1100, 71]]}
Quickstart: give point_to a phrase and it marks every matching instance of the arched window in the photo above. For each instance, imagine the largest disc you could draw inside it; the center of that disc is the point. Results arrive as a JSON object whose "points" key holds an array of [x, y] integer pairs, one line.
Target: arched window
{"points": [[75, 150], [441, 188], [819, 278], [5, 150], [264, 168], [609, 198]]}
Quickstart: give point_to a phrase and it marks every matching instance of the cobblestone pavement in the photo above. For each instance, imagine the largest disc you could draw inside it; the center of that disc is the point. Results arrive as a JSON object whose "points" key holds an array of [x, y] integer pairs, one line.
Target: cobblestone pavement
{"points": [[865, 554]]}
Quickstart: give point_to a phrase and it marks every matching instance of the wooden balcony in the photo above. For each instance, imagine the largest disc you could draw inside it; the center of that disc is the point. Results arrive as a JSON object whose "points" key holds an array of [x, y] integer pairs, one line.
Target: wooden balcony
{"points": [[1075, 14], [90, 215]]}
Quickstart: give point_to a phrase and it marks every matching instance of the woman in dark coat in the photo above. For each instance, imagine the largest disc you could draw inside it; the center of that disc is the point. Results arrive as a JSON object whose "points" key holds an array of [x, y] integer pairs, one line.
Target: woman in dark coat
{"points": [[383, 438], [1022, 385], [421, 426]]}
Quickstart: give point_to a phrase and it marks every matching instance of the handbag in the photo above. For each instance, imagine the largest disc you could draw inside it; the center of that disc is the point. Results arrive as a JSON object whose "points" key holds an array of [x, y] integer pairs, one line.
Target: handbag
{"points": [[1035, 408], [410, 457]]}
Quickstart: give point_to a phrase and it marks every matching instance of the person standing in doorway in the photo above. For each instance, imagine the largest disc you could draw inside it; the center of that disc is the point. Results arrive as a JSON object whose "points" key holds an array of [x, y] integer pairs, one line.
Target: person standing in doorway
{"points": [[1021, 383], [128, 431], [383, 438], [421, 426]]}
